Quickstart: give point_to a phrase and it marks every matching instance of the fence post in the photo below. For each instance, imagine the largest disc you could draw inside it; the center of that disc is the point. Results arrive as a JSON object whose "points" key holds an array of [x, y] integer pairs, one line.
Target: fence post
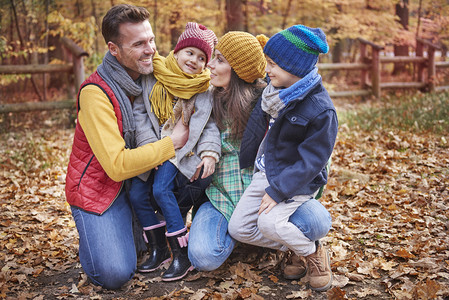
{"points": [[376, 72], [363, 58], [431, 66], [78, 69], [77, 58], [420, 53]]}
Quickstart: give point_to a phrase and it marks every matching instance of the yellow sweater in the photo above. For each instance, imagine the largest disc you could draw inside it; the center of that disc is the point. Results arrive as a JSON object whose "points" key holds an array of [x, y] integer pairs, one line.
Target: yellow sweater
{"points": [[99, 123]]}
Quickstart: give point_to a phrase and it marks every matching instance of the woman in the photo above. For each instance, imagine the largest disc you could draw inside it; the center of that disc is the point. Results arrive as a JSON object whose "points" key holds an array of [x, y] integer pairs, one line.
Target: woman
{"points": [[236, 74]]}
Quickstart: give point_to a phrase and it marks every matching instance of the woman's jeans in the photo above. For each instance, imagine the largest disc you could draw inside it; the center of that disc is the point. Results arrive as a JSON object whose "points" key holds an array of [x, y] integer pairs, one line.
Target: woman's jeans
{"points": [[209, 241], [106, 244], [274, 229]]}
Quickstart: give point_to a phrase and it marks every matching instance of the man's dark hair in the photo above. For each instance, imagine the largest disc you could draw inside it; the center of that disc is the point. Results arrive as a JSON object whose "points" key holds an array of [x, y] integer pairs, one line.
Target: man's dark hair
{"points": [[119, 14]]}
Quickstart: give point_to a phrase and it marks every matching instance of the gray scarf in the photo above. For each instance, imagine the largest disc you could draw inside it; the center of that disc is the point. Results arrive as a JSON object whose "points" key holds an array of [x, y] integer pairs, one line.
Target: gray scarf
{"points": [[123, 87], [275, 99]]}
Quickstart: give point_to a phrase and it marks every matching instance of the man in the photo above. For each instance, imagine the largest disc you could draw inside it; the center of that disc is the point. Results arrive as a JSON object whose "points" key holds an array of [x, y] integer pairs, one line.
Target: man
{"points": [[104, 153]]}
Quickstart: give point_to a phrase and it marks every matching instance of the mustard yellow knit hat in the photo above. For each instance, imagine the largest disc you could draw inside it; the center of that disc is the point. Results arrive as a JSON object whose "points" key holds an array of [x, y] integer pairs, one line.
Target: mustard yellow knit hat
{"points": [[244, 52]]}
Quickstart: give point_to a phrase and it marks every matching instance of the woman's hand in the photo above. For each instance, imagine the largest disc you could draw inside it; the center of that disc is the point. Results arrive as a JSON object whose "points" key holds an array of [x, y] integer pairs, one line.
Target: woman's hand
{"points": [[267, 204], [208, 165]]}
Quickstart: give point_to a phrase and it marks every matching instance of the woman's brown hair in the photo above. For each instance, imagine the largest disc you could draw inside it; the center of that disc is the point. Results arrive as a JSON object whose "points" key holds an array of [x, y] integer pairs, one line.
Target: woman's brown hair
{"points": [[233, 105]]}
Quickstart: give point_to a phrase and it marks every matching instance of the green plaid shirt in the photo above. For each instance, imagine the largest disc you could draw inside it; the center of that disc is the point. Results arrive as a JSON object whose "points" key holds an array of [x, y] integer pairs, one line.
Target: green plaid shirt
{"points": [[229, 181]]}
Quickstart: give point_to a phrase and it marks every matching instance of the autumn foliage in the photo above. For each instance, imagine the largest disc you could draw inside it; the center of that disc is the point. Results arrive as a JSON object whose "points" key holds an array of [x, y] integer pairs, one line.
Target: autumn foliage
{"points": [[388, 192], [388, 196]]}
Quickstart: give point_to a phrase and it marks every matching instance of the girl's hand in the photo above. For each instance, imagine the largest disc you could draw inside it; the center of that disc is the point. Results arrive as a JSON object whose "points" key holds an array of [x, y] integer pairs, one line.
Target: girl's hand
{"points": [[208, 165], [267, 204]]}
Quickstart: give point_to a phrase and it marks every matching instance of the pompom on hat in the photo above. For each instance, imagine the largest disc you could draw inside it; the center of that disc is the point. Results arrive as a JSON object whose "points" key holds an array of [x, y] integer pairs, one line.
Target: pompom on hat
{"points": [[296, 49], [244, 52], [198, 36]]}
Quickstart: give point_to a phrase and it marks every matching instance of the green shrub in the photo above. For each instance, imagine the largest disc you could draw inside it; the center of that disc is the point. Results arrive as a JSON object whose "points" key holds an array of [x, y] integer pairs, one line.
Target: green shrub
{"points": [[415, 113]]}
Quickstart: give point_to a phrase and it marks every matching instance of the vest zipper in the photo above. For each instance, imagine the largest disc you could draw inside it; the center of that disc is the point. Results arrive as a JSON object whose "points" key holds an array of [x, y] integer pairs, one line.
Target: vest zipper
{"points": [[84, 171], [112, 202]]}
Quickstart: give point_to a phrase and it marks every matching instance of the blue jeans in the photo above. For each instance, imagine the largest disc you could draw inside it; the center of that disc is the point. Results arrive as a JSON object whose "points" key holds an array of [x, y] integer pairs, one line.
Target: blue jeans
{"points": [[313, 219], [106, 244], [209, 241], [163, 187], [187, 193], [139, 195]]}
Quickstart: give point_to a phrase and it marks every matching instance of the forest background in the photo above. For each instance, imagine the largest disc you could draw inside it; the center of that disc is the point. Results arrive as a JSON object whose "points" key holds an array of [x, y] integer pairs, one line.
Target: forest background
{"points": [[30, 29], [388, 191]]}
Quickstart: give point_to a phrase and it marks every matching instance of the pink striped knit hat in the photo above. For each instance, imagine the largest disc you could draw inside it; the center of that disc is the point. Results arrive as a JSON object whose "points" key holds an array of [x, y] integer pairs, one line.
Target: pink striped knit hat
{"points": [[198, 36]]}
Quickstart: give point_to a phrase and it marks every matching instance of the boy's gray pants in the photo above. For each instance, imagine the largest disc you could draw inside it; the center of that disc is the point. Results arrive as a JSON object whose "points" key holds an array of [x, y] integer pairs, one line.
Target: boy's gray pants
{"points": [[270, 230]]}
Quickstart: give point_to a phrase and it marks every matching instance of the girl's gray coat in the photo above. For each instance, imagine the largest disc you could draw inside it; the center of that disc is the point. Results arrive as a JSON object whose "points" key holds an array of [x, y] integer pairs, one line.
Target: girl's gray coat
{"points": [[203, 132]]}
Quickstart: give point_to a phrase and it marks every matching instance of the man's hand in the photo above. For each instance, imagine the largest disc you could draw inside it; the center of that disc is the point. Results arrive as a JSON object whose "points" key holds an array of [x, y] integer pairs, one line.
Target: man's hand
{"points": [[208, 162], [267, 204], [180, 135]]}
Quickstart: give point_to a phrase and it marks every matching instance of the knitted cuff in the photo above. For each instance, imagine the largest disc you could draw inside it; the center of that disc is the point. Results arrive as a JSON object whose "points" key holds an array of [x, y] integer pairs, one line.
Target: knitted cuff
{"points": [[212, 154]]}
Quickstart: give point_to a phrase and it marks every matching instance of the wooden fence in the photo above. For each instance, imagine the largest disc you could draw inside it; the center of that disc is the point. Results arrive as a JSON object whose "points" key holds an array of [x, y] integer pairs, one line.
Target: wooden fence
{"points": [[369, 66], [74, 65]]}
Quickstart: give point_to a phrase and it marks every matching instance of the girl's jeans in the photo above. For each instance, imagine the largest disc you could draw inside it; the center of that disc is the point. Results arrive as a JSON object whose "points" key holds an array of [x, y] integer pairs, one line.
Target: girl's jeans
{"points": [[163, 193], [139, 196], [186, 193], [106, 244]]}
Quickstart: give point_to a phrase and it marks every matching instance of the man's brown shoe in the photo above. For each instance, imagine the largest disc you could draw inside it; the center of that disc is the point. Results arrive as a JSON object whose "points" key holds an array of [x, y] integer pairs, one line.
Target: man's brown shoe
{"points": [[295, 267], [320, 273]]}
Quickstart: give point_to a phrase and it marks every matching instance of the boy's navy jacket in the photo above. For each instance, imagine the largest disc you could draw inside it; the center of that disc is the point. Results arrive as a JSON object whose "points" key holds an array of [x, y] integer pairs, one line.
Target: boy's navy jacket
{"points": [[298, 145]]}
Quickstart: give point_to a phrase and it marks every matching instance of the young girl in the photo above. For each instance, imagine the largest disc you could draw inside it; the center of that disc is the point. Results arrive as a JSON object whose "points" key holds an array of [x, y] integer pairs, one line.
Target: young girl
{"points": [[180, 93], [236, 73], [291, 160]]}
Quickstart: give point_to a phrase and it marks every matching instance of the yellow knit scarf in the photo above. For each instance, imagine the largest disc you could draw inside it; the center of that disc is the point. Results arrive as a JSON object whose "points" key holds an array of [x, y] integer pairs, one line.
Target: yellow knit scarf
{"points": [[173, 82]]}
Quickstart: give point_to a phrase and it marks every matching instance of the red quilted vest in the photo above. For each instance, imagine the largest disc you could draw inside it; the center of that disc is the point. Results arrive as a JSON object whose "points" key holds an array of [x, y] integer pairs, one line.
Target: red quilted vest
{"points": [[87, 185]]}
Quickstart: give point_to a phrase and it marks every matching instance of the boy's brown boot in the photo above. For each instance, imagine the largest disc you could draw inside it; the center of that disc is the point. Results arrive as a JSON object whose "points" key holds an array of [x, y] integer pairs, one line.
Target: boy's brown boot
{"points": [[295, 267], [320, 273]]}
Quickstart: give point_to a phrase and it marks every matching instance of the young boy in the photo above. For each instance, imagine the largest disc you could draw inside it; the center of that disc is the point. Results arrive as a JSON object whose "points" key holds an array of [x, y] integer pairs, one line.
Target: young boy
{"points": [[180, 93], [290, 166]]}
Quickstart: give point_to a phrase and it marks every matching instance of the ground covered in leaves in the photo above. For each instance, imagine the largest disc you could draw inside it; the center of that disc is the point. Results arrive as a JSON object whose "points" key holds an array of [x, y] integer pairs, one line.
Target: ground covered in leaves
{"points": [[388, 195]]}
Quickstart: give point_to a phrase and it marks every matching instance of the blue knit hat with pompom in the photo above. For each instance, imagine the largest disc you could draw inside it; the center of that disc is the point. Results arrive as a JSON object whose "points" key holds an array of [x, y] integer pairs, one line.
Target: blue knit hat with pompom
{"points": [[296, 49]]}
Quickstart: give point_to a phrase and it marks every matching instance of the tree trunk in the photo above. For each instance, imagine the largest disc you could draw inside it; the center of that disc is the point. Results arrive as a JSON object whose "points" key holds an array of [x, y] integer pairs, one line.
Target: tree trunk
{"points": [[36, 89], [154, 16], [174, 30], [219, 17], [246, 17], [337, 51], [11, 60], [402, 12], [94, 14], [45, 75], [285, 16], [234, 15]]}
